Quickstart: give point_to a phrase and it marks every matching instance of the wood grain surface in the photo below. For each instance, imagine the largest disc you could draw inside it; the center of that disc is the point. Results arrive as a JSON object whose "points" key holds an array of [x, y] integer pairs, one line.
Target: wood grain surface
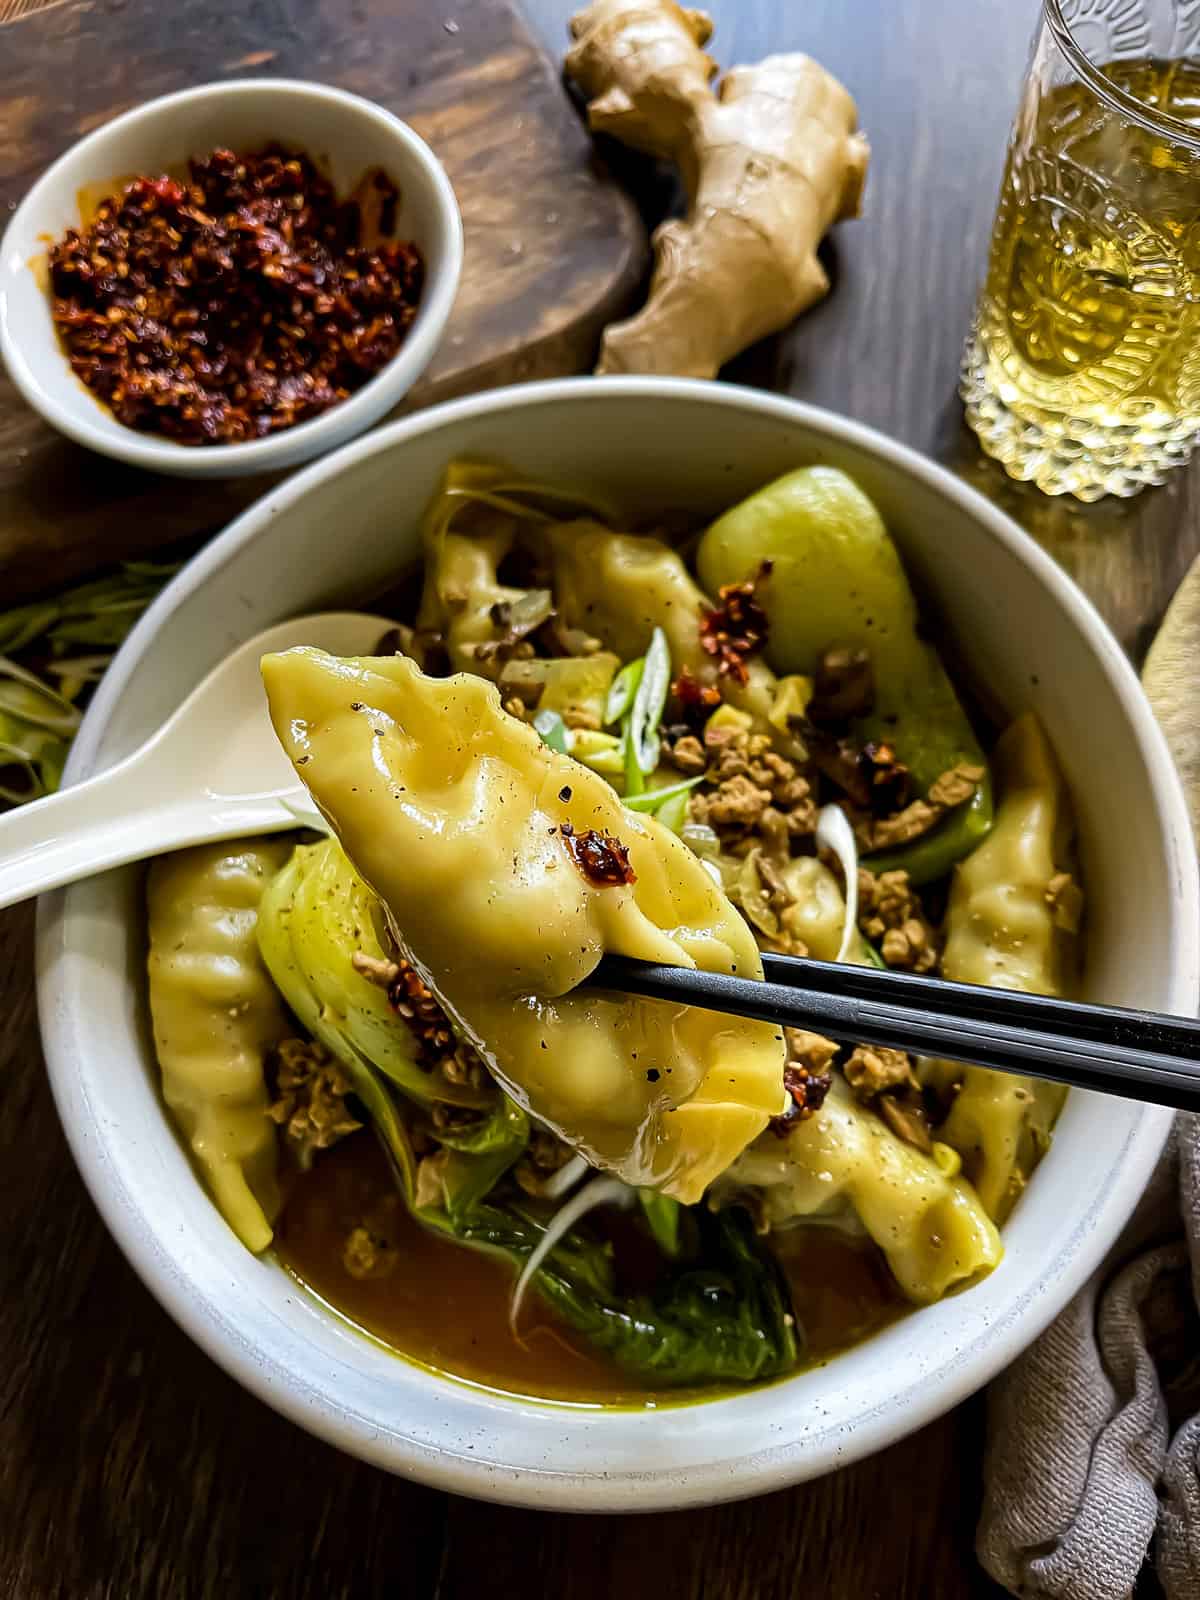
{"points": [[131, 1467], [554, 248]]}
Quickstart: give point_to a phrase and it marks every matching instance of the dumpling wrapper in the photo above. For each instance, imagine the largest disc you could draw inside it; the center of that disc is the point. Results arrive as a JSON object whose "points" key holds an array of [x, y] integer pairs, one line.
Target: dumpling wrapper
{"points": [[452, 810]]}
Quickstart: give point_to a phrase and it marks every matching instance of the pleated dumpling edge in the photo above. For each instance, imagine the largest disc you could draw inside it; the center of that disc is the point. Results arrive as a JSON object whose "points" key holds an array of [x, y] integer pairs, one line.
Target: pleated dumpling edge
{"points": [[468, 828]]}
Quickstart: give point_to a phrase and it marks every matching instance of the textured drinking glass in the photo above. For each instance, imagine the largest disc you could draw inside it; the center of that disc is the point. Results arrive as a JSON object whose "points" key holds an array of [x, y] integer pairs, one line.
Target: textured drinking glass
{"points": [[1082, 371]]}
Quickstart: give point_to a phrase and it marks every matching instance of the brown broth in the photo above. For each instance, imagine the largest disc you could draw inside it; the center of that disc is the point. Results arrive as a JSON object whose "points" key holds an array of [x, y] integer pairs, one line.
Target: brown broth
{"points": [[446, 1306]]}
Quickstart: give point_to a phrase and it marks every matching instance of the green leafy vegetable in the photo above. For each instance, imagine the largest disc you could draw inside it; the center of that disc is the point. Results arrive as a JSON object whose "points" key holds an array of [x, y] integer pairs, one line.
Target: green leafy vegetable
{"points": [[662, 1216], [315, 916], [478, 1156], [726, 1319], [722, 1317]]}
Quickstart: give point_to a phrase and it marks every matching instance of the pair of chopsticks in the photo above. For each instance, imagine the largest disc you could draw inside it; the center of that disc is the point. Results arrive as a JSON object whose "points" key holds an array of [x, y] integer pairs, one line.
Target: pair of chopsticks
{"points": [[1141, 1055]]}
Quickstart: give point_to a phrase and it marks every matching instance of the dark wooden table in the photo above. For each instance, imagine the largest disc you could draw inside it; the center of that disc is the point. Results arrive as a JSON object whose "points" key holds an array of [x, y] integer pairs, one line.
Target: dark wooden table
{"points": [[129, 1466]]}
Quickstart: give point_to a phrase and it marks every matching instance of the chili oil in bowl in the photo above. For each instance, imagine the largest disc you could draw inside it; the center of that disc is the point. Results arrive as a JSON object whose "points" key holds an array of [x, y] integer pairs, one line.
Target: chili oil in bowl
{"points": [[300, 249]]}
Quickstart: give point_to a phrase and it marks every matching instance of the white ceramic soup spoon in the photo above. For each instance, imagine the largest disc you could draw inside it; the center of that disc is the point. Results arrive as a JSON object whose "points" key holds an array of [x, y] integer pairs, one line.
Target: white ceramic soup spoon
{"points": [[214, 770]]}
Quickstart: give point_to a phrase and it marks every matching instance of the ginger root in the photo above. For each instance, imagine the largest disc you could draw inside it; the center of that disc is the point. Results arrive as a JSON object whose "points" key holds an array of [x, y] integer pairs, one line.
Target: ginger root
{"points": [[769, 162]]}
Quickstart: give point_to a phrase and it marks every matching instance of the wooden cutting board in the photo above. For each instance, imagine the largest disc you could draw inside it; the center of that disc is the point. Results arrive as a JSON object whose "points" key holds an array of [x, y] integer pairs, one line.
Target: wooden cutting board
{"points": [[553, 248]]}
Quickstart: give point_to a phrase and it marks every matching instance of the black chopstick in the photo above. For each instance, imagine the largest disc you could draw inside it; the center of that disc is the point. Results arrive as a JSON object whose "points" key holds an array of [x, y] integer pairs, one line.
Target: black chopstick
{"points": [[1139, 1054]]}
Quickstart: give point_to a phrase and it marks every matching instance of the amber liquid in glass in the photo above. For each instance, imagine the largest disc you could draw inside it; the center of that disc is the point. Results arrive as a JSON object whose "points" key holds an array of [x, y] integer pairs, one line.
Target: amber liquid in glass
{"points": [[1089, 321]]}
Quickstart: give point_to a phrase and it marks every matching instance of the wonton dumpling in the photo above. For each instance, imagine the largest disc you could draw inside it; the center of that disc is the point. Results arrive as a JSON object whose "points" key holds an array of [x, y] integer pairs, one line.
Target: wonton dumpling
{"points": [[216, 1013], [931, 1227], [451, 810], [624, 585], [461, 589], [1004, 929]]}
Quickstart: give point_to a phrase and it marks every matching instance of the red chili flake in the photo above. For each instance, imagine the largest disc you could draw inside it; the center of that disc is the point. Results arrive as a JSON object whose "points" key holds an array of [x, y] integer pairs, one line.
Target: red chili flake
{"points": [[602, 859], [233, 305], [736, 627], [889, 781], [696, 700], [807, 1090], [413, 999]]}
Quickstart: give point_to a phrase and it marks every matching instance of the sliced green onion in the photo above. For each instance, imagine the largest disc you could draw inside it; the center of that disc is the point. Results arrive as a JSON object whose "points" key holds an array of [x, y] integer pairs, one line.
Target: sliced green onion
{"points": [[874, 959], [674, 813], [600, 751], [649, 702], [702, 840], [635, 778], [622, 691], [552, 730], [652, 799]]}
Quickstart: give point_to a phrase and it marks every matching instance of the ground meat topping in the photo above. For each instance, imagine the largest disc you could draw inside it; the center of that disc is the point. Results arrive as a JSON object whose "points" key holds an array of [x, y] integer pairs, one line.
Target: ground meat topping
{"points": [[601, 857], [378, 970], [736, 627], [1065, 899], [872, 1070], [429, 1189], [544, 1156], [368, 1253], [955, 788], [310, 1097], [514, 621], [905, 1115], [885, 1080], [757, 792], [952, 789], [891, 916], [806, 1077], [688, 754], [233, 305]]}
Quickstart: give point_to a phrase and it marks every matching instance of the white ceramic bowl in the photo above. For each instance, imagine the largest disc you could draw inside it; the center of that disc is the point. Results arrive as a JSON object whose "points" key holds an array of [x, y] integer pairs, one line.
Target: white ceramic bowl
{"points": [[346, 134], [650, 443]]}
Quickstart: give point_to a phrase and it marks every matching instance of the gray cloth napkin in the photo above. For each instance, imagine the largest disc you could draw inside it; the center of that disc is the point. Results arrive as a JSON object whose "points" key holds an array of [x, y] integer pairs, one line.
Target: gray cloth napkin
{"points": [[1092, 1465]]}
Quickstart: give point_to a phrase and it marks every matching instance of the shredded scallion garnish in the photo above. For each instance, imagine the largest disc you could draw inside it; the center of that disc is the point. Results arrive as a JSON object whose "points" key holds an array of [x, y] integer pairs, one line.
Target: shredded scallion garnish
{"points": [[649, 702], [622, 691], [552, 730], [52, 652]]}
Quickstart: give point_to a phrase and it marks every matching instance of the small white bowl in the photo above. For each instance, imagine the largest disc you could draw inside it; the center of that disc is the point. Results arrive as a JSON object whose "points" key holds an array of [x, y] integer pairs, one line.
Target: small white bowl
{"points": [[346, 135], [649, 445]]}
